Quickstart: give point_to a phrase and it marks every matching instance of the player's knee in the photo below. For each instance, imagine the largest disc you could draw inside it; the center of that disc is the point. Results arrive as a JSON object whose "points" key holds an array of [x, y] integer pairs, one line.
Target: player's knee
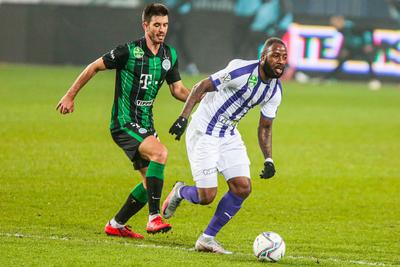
{"points": [[160, 155], [206, 200], [243, 191], [207, 197], [164, 153]]}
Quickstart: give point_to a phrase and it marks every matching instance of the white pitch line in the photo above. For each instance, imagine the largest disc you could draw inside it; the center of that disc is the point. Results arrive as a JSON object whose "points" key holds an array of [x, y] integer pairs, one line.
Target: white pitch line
{"points": [[58, 238]]}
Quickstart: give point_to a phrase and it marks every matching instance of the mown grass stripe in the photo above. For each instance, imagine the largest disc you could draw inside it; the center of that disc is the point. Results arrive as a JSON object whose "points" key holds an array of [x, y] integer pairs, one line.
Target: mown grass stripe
{"points": [[154, 246]]}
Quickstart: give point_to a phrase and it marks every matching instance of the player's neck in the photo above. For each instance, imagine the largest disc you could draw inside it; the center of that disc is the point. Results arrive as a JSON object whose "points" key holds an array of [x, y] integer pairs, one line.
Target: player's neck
{"points": [[263, 75], [153, 47]]}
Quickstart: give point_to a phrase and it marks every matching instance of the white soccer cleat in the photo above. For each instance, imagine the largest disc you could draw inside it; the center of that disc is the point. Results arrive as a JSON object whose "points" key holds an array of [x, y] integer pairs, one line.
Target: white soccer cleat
{"points": [[172, 201], [209, 244]]}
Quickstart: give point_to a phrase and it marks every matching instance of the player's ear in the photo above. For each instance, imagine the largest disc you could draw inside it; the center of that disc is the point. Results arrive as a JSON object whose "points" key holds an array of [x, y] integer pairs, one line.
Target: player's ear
{"points": [[145, 26], [263, 57]]}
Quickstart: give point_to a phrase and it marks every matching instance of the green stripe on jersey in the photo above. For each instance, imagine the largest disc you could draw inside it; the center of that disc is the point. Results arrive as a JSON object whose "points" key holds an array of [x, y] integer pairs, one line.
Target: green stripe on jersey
{"points": [[122, 105], [131, 61], [152, 90], [127, 81]]}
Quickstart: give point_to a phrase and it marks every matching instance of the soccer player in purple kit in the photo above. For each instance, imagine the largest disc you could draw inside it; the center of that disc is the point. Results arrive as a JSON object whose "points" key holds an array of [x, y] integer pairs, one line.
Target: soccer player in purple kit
{"points": [[213, 141]]}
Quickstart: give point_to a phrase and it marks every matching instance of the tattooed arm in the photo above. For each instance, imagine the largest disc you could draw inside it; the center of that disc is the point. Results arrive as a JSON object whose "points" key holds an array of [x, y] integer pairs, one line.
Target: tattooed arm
{"points": [[265, 143]]}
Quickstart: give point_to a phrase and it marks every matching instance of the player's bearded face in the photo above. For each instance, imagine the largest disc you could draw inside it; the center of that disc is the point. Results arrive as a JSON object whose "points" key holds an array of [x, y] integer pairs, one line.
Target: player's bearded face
{"points": [[275, 61], [270, 72], [157, 28]]}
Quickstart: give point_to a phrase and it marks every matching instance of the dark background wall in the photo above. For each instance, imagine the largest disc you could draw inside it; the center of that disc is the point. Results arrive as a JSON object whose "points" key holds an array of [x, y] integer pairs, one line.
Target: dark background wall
{"points": [[65, 34], [50, 34]]}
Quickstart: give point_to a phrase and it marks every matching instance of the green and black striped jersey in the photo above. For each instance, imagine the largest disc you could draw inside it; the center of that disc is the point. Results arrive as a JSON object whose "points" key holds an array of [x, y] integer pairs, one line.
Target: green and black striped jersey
{"points": [[139, 76]]}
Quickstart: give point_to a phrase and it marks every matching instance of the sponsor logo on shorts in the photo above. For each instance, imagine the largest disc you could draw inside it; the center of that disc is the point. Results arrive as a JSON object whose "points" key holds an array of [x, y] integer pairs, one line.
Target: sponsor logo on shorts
{"points": [[135, 125], [144, 103], [142, 130], [209, 171]]}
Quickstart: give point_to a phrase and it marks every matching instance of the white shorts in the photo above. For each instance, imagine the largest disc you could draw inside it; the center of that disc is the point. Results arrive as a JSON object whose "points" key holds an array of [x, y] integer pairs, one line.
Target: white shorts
{"points": [[209, 155]]}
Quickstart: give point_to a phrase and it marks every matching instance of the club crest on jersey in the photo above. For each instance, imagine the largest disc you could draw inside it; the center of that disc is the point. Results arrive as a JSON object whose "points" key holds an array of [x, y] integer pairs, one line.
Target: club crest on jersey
{"points": [[226, 77], [138, 52], [252, 81], [142, 130], [166, 64]]}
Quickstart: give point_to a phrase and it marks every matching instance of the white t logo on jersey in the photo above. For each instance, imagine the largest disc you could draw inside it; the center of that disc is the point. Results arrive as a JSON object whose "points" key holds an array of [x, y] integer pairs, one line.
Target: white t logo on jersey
{"points": [[145, 80]]}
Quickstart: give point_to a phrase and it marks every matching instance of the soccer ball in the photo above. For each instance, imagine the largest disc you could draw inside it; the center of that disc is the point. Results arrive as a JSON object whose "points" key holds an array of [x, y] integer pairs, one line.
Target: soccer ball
{"points": [[269, 246]]}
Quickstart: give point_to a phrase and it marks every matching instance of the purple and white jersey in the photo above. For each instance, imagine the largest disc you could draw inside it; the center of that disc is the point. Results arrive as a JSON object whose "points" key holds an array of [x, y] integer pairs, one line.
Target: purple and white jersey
{"points": [[238, 88]]}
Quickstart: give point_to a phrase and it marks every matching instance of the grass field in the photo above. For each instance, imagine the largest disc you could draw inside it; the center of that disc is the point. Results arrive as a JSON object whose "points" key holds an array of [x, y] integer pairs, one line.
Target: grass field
{"points": [[335, 198]]}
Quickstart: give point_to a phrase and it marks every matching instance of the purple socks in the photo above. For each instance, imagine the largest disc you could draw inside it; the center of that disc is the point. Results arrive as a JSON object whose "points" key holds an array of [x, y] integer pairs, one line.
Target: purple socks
{"points": [[190, 194], [228, 206]]}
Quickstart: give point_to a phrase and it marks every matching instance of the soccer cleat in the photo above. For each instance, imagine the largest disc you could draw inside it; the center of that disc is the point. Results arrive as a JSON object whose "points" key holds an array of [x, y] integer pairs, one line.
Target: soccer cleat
{"points": [[209, 244], [123, 231], [157, 225], [172, 201]]}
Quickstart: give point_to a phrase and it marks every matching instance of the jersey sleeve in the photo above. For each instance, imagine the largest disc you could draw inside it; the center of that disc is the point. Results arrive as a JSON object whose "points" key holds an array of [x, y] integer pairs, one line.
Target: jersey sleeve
{"points": [[223, 78], [173, 74], [116, 58], [269, 107]]}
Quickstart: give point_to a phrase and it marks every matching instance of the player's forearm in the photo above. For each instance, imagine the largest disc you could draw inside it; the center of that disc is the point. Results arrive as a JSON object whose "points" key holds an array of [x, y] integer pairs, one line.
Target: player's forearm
{"points": [[265, 140], [194, 97], [182, 94], [84, 77]]}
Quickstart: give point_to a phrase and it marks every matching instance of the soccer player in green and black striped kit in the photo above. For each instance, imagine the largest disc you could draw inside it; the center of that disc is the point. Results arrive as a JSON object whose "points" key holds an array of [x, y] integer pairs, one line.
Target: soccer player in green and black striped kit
{"points": [[141, 68]]}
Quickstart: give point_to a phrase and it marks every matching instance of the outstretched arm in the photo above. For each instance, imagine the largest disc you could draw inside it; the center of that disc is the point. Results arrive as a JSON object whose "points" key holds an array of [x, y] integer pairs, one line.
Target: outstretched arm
{"points": [[196, 94], [265, 142], [66, 104]]}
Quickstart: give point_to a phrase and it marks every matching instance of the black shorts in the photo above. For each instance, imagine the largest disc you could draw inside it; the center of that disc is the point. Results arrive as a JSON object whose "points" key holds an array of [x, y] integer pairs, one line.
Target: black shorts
{"points": [[129, 139]]}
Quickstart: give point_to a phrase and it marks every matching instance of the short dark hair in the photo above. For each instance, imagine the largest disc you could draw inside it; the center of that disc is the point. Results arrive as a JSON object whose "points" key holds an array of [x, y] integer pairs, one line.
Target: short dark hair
{"points": [[271, 41], [154, 9]]}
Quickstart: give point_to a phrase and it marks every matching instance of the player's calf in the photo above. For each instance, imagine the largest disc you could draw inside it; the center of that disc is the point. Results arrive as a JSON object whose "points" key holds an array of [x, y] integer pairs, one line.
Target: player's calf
{"points": [[207, 195]]}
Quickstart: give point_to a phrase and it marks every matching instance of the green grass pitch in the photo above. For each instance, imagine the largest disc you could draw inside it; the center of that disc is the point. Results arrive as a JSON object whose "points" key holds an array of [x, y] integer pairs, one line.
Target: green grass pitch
{"points": [[335, 198]]}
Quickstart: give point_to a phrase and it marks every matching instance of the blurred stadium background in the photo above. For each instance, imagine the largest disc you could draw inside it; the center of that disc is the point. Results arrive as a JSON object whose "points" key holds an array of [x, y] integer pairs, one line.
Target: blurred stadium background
{"points": [[207, 33]]}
